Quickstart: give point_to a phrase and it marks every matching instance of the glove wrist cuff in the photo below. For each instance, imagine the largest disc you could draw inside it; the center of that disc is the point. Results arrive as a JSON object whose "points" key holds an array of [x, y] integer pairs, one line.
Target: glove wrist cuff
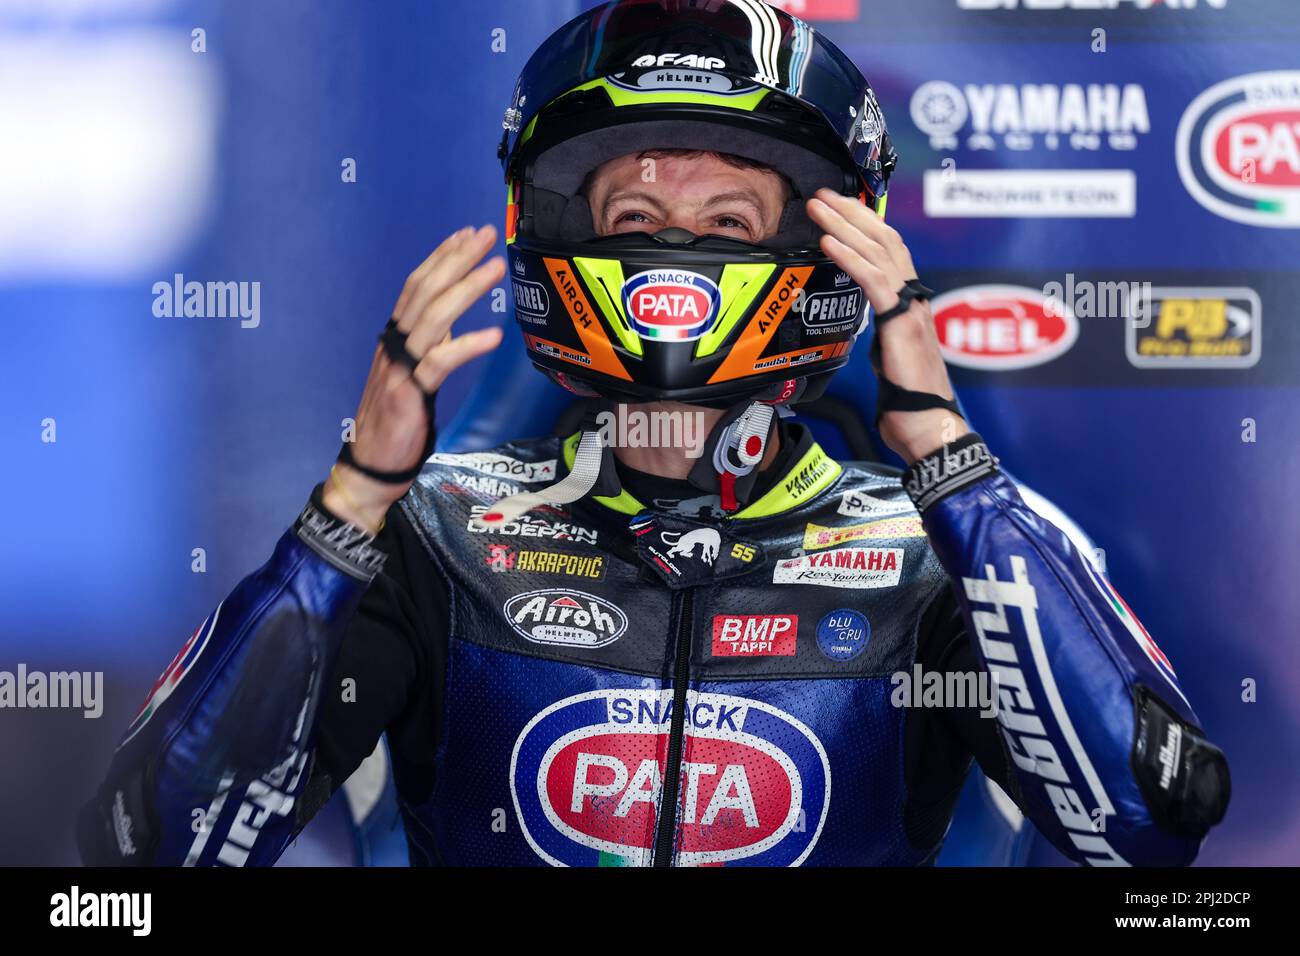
{"points": [[342, 544], [948, 470]]}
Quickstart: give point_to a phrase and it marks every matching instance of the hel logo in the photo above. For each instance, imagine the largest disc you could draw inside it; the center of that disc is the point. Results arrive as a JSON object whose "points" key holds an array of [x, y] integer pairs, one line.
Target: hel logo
{"points": [[755, 635], [170, 678], [1002, 327], [587, 777], [564, 617], [1238, 149], [1195, 328], [670, 304]]}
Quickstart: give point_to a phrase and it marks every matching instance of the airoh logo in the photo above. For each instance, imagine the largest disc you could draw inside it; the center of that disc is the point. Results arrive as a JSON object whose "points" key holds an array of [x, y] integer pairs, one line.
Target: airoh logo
{"points": [[587, 773], [673, 305], [1238, 149], [565, 617]]}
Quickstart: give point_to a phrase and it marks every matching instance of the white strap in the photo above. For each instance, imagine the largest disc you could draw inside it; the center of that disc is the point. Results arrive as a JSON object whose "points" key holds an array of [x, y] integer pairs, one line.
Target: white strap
{"points": [[575, 485], [754, 422]]}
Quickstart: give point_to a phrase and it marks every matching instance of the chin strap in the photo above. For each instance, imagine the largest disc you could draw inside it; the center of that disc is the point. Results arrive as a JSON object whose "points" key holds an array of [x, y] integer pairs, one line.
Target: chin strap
{"points": [[738, 449], [589, 462], [738, 441], [891, 397]]}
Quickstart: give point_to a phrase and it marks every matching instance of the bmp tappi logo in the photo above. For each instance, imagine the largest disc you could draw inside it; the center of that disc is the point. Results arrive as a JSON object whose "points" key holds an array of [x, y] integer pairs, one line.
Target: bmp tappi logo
{"points": [[670, 304], [1238, 149], [587, 777], [1002, 327]]}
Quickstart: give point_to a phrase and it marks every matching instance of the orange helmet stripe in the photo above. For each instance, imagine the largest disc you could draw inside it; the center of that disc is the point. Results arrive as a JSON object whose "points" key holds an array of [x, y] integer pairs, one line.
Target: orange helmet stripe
{"points": [[585, 320], [740, 360]]}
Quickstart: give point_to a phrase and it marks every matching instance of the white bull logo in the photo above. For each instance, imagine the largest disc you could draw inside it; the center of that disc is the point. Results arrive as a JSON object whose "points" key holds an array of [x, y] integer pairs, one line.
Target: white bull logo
{"points": [[683, 545]]}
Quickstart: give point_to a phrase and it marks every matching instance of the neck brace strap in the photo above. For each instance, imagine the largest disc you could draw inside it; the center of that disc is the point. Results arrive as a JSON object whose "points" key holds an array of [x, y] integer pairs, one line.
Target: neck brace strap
{"points": [[737, 445]]}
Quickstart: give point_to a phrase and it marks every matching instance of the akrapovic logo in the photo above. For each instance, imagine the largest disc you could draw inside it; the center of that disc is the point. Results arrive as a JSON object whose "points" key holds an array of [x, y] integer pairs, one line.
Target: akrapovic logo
{"points": [[565, 617]]}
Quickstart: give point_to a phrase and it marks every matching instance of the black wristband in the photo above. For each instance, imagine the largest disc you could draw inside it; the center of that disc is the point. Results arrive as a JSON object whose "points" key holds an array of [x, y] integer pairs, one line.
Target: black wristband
{"points": [[948, 470], [912, 290], [342, 544], [393, 341]]}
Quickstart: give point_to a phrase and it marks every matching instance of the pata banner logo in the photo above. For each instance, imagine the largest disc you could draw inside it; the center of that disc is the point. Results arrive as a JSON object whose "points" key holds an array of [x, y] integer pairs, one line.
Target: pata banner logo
{"points": [[587, 776], [1238, 149]]}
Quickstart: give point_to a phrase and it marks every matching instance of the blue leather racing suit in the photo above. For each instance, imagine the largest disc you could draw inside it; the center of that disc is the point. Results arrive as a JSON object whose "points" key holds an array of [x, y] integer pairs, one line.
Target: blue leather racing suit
{"points": [[612, 683]]}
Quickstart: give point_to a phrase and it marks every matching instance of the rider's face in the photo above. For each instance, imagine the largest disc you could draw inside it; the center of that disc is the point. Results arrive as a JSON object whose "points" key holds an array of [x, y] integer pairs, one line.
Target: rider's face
{"points": [[700, 193]]}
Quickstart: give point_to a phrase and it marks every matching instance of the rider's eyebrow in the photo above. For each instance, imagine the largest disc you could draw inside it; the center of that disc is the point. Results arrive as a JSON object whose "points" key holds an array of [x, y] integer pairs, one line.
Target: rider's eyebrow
{"points": [[635, 195], [745, 196]]}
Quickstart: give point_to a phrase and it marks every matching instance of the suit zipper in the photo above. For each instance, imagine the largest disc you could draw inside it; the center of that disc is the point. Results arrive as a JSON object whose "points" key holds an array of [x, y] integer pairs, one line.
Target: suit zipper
{"points": [[667, 823]]}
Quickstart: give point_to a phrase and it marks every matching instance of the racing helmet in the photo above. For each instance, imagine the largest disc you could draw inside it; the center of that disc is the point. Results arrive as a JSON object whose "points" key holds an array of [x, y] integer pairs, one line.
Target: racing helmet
{"points": [[673, 316]]}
